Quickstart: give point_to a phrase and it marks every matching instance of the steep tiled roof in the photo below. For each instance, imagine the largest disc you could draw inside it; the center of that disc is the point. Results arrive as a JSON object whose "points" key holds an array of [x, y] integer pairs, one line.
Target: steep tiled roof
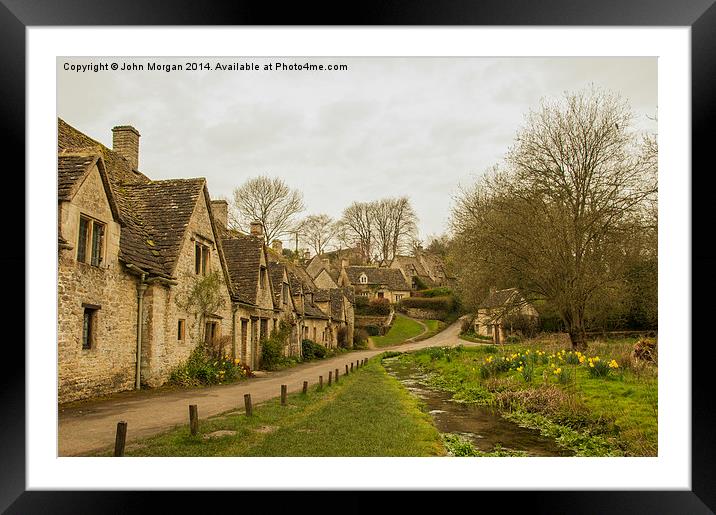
{"points": [[499, 298], [337, 304], [165, 208], [276, 273], [313, 311], [322, 295], [243, 259], [154, 214], [71, 171], [390, 277]]}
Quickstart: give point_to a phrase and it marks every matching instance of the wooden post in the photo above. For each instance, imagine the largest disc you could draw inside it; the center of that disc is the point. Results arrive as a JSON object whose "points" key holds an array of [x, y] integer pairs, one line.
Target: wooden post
{"points": [[320, 382], [193, 419], [120, 439], [336, 375], [283, 395], [351, 366], [247, 404], [330, 377], [305, 387], [346, 369]]}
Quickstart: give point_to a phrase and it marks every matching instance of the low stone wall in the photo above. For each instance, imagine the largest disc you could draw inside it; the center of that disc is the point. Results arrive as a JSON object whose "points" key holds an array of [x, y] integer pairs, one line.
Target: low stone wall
{"points": [[362, 321]]}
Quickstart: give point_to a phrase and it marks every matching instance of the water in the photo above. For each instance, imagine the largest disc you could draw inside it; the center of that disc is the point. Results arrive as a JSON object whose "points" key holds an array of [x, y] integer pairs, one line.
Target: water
{"points": [[481, 425]]}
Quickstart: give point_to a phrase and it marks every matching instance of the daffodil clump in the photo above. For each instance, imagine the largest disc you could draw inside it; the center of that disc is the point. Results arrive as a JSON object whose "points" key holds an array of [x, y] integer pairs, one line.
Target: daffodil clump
{"points": [[204, 369]]}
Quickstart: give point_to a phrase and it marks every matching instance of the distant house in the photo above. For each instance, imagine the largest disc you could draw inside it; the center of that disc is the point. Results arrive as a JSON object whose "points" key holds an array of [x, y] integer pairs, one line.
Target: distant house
{"points": [[504, 312], [374, 282], [414, 271]]}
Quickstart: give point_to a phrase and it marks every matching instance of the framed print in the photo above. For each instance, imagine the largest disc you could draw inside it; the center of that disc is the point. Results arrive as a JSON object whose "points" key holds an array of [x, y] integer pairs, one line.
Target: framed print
{"points": [[428, 121]]}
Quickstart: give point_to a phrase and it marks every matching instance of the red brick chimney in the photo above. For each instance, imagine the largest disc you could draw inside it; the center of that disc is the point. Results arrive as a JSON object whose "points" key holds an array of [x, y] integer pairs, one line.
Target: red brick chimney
{"points": [[125, 141]]}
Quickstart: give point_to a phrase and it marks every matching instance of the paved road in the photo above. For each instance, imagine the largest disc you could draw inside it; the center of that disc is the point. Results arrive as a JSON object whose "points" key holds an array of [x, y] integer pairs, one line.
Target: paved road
{"points": [[91, 426]]}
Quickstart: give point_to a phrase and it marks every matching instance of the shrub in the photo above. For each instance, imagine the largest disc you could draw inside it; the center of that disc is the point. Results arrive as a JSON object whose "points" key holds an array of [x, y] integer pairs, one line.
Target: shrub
{"points": [[201, 368], [379, 306], [273, 348], [444, 304], [360, 338], [467, 325], [513, 338], [312, 350], [435, 292], [372, 330]]}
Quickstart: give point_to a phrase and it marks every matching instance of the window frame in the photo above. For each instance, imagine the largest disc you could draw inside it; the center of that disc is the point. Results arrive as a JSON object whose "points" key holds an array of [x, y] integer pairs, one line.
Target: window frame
{"points": [[89, 327], [90, 249], [181, 330], [202, 258]]}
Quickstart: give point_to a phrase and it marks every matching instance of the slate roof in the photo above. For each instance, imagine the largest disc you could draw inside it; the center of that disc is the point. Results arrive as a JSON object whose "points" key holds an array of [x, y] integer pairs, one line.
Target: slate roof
{"points": [[72, 168], [153, 214], [498, 298], [242, 253], [276, 272], [313, 311], [166, 208], [337, 304], [413, 268], [390, 277], [299, 279]]}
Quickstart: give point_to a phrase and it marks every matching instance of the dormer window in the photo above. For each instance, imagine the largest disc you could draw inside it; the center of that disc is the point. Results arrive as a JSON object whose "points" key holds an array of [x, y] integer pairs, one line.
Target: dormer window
{"points": [[201, 258], [363, 279], [90, 242]]}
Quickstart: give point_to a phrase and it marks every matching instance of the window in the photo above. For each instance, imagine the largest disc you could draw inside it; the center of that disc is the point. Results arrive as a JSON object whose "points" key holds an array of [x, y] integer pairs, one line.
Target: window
{"points": [[181, 330], [380, 294], [201, 258], [398, 298], [211, 332], [89, 323], [363, 279], [90, 241]]}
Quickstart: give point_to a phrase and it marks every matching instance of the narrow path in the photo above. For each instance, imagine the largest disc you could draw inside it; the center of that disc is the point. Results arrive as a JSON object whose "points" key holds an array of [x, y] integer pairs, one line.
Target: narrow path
{"points": [[90, 427]]}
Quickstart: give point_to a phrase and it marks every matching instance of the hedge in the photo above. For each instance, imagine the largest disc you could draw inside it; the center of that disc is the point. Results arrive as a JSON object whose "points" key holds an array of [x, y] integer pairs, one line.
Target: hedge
{"points": [[446, 303]]}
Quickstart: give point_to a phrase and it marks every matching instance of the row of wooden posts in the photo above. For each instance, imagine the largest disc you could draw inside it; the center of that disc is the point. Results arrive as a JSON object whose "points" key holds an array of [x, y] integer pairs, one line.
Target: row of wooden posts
{"points": [[121, 436]]}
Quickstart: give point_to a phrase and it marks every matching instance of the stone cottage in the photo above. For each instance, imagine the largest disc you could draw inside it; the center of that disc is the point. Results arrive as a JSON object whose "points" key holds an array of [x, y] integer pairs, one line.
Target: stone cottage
{"points": [[129, 250], [504, 312], [375, 282]]}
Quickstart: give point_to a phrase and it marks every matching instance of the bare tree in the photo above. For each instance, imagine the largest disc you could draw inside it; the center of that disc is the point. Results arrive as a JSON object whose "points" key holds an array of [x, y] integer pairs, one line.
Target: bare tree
{"points": [[357, 225], [404, 223], [556, 220], [317, 231], [268, 200]]}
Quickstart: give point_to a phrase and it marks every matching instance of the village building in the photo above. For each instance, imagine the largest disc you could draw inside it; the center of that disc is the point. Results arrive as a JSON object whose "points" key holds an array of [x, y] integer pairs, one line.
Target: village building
{"points": [[129, 250], [504, 312], [374, 282], [424, 270]]}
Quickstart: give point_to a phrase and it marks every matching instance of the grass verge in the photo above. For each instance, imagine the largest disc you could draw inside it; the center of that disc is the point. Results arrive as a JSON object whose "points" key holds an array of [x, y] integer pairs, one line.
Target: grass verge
{"points": [[403, 328], [368, 413]]}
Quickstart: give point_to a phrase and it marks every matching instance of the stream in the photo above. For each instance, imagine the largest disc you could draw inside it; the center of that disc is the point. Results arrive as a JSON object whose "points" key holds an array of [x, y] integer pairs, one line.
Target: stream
{"points": [[481, 425]]}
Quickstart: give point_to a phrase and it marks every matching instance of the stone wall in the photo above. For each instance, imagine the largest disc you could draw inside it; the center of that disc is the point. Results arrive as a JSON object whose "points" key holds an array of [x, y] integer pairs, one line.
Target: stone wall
{"points": [[161, 349], [109, 365]]}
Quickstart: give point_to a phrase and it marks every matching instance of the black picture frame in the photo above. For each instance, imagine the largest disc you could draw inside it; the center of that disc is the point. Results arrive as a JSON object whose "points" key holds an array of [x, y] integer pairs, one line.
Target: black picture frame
{"points": [[700, 15]]}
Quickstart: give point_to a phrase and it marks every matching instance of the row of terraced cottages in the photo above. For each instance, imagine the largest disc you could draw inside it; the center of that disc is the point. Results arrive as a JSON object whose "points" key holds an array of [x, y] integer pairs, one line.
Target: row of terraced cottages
{"points": [[148, 268]]}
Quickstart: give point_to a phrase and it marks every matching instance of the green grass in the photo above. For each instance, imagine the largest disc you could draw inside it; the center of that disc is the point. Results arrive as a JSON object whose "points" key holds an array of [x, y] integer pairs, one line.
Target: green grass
{"points": [[472, 337], [403, 328], [368, 413], [616, 415]]}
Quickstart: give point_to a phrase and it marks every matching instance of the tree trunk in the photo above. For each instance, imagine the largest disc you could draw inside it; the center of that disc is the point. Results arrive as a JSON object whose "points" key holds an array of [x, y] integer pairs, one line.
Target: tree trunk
{"points": [[578, 338]]}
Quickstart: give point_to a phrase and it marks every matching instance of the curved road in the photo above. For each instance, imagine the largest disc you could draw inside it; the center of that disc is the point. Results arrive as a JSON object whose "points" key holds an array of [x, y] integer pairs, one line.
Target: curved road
{"points": [[90, 427]]}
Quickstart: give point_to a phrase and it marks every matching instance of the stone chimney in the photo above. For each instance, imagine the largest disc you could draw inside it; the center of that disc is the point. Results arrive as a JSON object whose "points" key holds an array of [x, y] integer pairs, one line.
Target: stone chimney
{"points": [[220, 210], [344, 263], [125, 141], [277, 246], [257, 228], [306, 254]]}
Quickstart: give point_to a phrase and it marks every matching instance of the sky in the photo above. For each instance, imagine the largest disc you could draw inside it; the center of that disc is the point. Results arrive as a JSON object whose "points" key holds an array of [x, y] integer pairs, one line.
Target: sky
{"points": [[384, 127]]}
